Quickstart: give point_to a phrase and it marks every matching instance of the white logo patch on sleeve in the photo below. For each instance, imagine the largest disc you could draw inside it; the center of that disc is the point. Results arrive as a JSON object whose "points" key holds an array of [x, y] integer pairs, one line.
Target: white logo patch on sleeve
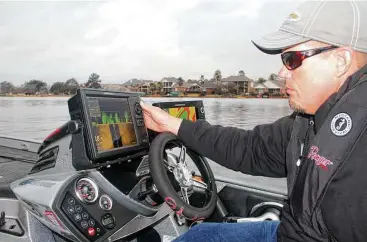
{"points": [[341, 124]]}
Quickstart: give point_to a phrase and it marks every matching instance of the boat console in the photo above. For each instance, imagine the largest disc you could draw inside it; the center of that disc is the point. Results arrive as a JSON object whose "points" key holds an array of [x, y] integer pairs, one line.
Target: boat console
{"points": [[103, 176], [93, 180]]}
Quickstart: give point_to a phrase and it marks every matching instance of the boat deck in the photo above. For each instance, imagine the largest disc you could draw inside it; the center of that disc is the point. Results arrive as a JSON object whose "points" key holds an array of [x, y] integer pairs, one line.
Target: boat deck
{"points": [[14, 164]]}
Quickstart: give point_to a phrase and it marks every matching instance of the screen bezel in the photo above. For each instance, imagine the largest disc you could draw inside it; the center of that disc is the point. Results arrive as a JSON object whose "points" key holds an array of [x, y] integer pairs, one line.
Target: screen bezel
{"points": [[88, 135]]}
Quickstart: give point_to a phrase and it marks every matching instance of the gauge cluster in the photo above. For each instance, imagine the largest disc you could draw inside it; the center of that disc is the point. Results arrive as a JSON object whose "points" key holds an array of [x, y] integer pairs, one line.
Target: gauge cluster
{"points": [[105, 202], [86, 190], [90, 209], [95, 210]]}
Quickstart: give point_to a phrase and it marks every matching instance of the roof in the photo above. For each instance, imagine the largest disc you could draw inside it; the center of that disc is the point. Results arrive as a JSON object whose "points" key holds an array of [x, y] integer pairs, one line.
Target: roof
{"points": [[147, 83], [274, 84], [270, 84], [170, 79], [209, 85], [132, 82], [259, 86], [115, 87], [236, 79], [187, 85], [135, 81], [204, 85], [184, 84]]}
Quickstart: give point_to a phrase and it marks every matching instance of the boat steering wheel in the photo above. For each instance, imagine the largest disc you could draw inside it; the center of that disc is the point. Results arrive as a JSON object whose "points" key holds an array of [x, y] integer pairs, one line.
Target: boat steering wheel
{"points": [[175, 181]]}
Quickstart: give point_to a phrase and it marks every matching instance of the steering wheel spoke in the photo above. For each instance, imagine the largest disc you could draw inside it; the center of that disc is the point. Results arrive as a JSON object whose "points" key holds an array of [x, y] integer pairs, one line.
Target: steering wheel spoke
{"points": [[170, 161], [168, 166], [200, 184], [185, 195], [182, 157]]}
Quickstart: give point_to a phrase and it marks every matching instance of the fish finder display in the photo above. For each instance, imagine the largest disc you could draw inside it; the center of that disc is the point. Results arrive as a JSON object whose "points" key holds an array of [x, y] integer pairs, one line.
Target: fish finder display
{"points": [[182, 112], [111, 123]]}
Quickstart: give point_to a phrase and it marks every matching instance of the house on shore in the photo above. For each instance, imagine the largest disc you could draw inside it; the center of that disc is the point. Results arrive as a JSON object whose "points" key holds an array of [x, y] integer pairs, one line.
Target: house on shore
{"points": [[239, 83], [168, 83], [234, 85], [272, 87], [145, 86], [195, 87], [138, 85]]}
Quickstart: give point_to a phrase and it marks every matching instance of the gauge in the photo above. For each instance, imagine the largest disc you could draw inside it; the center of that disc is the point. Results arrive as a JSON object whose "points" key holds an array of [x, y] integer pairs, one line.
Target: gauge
{"points": [[105, 202], [86, 190]]}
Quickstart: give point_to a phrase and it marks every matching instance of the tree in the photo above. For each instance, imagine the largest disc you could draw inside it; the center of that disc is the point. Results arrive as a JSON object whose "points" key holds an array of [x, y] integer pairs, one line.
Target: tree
{"points": [[232, 88], [180, 81], [159, 86], [34, 86], [72, 82], [218, 78], [273, 77], [261, 80], [93, 81], [241, 73], [71, 85], [201, 80], [58, 87], [6, 87], [152, 87]]}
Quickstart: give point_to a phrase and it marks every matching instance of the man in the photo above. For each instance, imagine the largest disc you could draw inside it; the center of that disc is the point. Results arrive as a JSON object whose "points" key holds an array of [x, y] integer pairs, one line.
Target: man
{"points": [[320, 148]]}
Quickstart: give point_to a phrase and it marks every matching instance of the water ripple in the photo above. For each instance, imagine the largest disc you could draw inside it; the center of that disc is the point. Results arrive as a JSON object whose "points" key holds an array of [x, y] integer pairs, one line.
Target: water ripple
{"points": [[35, 118]]}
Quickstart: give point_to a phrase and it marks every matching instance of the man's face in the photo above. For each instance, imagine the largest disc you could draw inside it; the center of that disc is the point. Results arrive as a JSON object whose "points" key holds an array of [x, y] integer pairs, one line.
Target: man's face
{"points": [[309, 85]]}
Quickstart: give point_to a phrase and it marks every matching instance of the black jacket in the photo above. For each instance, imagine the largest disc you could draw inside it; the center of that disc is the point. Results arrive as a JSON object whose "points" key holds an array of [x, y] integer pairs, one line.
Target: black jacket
{"points": [[323, 157]]}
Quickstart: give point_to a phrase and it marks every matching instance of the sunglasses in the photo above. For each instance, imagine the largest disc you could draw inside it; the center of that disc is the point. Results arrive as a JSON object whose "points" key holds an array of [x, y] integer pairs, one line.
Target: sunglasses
{"points": [[293, 59]]}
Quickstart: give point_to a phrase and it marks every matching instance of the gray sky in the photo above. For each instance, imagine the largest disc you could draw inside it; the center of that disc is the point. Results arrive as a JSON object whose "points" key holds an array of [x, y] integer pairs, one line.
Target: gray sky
{"points": [[149, 39]]}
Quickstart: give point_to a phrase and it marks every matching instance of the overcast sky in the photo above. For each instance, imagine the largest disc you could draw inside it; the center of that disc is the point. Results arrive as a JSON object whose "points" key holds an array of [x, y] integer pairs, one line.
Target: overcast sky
{"points": [[148, 39]]}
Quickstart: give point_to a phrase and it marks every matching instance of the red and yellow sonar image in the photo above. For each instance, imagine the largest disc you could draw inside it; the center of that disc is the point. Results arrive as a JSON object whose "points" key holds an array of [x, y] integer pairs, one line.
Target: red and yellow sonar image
{"points": [[183, 113]]}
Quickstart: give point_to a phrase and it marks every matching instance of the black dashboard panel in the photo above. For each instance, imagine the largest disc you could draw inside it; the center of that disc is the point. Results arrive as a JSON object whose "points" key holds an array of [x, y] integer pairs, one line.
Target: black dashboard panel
{"points": [[81, 218], [90, 221]]}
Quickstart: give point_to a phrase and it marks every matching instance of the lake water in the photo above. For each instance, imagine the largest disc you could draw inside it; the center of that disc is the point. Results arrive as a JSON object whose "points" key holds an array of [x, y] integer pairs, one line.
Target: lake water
{"points": [[34, 118]]}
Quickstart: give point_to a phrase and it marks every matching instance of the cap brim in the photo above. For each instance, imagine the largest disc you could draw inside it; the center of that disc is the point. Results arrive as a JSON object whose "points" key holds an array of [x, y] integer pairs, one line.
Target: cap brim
{"points": [[276, 42]]}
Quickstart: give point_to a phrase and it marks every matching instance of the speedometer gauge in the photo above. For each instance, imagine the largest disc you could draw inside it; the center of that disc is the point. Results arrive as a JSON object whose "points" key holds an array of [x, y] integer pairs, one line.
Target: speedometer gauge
{"points": [[105, 202], [86, 190]]}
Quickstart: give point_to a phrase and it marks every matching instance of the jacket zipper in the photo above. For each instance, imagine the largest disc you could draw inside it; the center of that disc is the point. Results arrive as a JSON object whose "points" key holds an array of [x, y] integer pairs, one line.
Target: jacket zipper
{"points": [[306, 147], [302, 157]]}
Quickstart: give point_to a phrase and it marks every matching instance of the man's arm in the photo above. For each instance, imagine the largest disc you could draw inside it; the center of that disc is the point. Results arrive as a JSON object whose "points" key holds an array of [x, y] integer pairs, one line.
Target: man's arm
{"points": [[260, 151]]}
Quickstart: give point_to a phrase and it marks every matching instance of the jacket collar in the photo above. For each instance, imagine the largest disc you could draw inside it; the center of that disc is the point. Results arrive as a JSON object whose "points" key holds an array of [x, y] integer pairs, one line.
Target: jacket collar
{"points": [[352, 81]]}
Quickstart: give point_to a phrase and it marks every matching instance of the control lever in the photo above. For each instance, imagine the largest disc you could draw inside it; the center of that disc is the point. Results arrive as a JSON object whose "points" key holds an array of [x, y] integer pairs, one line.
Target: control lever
{"points": [[2, 219], [143, 195], [10, 226], [266, 216]]}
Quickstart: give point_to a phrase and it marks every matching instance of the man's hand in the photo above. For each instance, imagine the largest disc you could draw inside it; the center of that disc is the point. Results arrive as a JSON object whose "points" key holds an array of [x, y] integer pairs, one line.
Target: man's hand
{"points": [[158, 120]]}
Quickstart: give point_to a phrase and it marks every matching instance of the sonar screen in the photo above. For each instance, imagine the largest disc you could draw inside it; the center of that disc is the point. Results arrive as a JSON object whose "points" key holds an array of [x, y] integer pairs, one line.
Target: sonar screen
{"points": [[111, 123], [188, 113]]}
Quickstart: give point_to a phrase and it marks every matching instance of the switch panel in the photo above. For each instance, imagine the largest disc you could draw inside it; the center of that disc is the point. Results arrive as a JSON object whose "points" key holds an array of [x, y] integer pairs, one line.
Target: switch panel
{"points": [[80, 217]]}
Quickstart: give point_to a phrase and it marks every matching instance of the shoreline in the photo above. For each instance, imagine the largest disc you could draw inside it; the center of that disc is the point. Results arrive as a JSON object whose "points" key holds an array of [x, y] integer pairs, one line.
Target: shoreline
{"points": [[157, 96]]}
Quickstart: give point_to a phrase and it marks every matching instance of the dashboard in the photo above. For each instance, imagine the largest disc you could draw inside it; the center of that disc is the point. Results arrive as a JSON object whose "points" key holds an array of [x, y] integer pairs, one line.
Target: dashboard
{"points": [[104, 187]]}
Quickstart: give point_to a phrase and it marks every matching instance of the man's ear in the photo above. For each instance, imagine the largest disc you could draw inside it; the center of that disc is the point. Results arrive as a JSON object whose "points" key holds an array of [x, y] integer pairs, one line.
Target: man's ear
{"points": [[344, 58]]}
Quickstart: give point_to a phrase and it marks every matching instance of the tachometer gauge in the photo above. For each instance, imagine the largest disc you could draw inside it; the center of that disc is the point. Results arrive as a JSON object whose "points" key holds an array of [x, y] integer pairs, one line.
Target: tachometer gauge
{"points": [[86, 190], [105, 202]]}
